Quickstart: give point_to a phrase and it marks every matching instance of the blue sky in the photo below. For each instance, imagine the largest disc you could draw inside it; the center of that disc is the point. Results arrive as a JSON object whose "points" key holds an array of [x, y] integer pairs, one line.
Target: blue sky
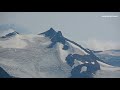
{"points": [[86, 28]]}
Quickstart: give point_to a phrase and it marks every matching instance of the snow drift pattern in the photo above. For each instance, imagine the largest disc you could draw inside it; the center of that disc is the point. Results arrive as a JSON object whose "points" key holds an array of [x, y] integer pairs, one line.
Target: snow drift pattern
{"points": [[46, 55]]}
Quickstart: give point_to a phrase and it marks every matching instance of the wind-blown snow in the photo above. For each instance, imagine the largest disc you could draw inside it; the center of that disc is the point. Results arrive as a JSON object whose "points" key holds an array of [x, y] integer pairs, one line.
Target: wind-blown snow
{"points": [[13, 42], [5, 32], [36, 60], [107, 71], [76, 63], [86, 62], [109, 52], [29, 56], [104, 66], [107, 74], [62, 53], [78, 50], [96, 44], [80, 62], [93, 62]]}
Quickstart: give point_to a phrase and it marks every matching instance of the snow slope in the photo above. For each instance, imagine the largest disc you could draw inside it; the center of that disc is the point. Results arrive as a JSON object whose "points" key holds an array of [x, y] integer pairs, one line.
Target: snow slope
{"points": [[48, 55], [111, 57], [33, 59], [108, 67], [107, 71], [111, 52], [13, 42]]}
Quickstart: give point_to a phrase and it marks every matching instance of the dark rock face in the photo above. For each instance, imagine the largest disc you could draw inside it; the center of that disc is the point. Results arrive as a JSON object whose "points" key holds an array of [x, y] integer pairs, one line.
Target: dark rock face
{"points": [[77, 74], [56, 37], [4, 74], [92, 65], [10, 34], [50, 33]]}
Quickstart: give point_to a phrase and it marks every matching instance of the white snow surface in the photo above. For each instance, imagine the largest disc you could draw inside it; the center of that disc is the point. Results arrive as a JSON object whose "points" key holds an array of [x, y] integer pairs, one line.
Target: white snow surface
{"points": [[107, 74], [107, 67], [86, 62], [93, 62], [62, 53], [107, 71], [110, 52], [13, 42], [83, 69], [33, 59], [5, 32], [78, 50], [27, 56]]}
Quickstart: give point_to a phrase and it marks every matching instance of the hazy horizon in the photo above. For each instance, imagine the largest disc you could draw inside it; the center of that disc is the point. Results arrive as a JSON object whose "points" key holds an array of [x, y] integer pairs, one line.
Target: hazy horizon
{"points": [[95, 30]]}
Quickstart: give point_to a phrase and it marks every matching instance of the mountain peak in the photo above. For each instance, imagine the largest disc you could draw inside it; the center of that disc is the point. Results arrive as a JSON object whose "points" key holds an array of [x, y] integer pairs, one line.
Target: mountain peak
{"points": [[51, 29], [55, 36], [10, 34], [58, 37], [7, 30], [59, 33], [50, 33]]}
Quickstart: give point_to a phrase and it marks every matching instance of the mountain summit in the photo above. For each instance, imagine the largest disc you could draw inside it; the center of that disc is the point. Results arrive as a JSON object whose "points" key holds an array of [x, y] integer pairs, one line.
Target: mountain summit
{"points": [[50, 33], [7, 30], [55, 37]]}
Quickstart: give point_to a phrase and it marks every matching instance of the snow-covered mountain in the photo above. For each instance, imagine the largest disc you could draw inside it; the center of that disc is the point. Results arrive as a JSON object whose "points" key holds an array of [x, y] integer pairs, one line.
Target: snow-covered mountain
{"points": [[7, 30], [111, 57], [9, 38], [47, 55], [110, 52]]}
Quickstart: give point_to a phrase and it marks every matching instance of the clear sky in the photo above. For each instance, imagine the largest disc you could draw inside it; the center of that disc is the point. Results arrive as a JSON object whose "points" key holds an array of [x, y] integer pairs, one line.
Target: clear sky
{"points": [[96, 30]]}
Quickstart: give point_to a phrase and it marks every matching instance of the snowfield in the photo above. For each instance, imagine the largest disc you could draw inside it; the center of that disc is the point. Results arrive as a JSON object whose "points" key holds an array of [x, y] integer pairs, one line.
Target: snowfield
{"points": [[4, 32], [13, 42], [107, 71], [49, 55], [107, 74], [32, 60]]}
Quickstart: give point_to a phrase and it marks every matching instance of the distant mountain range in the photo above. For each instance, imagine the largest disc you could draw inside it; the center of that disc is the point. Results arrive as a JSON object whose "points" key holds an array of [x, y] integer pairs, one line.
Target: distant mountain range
{"points": [[111, 57]]}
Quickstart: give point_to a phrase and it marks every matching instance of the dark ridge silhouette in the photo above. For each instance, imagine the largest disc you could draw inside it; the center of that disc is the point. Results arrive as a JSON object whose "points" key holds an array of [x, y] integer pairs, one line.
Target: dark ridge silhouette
{"points": [[96, 51], [10, 34], [77, 74], [4, 74], [55, 37], [50, 33]]}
